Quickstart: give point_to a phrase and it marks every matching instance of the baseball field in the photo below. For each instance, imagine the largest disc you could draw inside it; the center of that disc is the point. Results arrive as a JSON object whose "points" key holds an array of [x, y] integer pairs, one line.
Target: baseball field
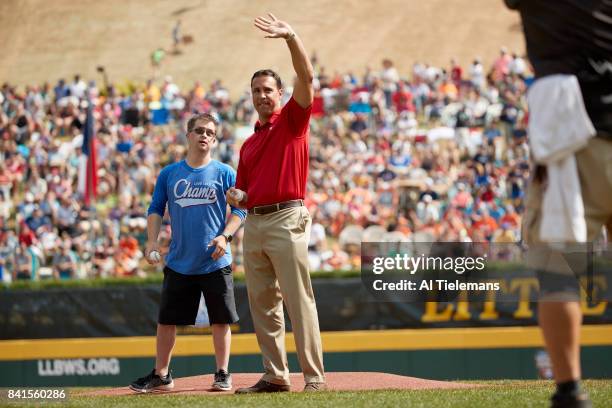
{"points": [[406, 122], [483, 394]]}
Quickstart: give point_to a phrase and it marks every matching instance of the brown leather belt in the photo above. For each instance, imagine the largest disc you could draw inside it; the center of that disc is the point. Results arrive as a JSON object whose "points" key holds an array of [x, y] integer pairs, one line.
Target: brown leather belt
{"points": [[269, 209]]}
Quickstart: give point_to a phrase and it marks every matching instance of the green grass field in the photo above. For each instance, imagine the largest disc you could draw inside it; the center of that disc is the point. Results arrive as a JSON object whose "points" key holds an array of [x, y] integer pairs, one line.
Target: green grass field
{"points": [[496, 394]]}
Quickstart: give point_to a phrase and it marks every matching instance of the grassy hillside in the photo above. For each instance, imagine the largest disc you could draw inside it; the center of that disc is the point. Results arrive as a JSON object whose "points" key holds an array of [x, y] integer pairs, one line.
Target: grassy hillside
{"points": [[44, 40]]}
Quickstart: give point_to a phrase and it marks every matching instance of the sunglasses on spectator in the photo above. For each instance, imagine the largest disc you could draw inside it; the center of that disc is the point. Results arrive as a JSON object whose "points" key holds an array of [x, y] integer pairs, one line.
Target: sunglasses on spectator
{"points": [[204, 131]]}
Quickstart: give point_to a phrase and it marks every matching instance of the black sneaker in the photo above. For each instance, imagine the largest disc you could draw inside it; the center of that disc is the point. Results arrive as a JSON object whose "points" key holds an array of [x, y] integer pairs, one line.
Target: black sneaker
{"points": [[223, 381], [578, 400], [153, 382]]}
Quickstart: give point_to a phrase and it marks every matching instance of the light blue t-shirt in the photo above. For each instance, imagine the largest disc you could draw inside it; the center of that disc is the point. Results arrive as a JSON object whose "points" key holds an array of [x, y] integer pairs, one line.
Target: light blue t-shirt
{"points": [[197, 206]]}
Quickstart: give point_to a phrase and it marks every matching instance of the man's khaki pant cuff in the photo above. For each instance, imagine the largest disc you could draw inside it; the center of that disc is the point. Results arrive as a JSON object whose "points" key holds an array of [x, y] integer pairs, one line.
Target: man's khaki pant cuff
{"points": [[314, 379], [276, 380]]}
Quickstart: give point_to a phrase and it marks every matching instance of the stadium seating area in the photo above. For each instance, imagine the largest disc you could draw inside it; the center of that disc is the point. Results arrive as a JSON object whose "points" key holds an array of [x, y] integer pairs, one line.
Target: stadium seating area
{"points": [[424, 153]]}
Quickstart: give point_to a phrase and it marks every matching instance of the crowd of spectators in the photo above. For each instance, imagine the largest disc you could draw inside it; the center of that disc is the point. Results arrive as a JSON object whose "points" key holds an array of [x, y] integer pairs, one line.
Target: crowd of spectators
{"points": [[424, 153]]}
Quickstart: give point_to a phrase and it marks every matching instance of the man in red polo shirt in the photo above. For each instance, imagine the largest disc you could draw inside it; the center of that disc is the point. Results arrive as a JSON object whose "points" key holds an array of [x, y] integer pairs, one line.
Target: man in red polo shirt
{"points": [[271, 184]]}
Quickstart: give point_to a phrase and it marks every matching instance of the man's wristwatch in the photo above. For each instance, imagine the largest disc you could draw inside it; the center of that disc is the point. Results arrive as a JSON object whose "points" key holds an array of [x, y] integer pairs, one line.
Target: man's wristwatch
{"points": [[290, 37], [228, 237]]}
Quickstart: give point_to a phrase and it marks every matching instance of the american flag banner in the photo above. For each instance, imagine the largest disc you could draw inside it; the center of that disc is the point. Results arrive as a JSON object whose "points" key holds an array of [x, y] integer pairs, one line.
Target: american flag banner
{"points": [[88, 177]]}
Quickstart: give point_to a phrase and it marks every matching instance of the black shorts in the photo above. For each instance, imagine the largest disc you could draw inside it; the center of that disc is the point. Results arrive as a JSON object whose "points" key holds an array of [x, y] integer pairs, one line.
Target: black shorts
{"points": [[181, 297]]}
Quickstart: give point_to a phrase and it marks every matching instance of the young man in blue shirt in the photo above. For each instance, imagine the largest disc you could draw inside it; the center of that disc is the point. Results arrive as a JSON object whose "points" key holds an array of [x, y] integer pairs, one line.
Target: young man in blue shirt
{"points": [[199, 259]]}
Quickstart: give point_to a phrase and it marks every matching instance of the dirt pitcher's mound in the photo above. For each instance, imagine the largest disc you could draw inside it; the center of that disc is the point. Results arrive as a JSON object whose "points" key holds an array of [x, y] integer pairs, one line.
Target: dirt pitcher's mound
{"points": [[336, 382]]}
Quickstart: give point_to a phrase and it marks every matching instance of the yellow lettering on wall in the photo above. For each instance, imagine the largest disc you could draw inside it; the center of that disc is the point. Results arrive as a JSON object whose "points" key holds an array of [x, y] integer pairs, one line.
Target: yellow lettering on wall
{"points": [[524, 286], [488, 308], [463, 307], [433, 315]]}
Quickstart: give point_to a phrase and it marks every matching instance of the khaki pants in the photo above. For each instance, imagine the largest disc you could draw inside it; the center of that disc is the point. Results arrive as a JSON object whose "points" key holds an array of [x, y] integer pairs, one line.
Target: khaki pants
{"points": [[594, 163], [276, 264]]}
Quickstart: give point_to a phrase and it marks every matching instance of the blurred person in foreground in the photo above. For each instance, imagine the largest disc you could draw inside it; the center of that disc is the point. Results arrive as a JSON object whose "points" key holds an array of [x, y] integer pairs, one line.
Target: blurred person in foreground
{"points": [[570, 195], [199, 260], [271, 183]]}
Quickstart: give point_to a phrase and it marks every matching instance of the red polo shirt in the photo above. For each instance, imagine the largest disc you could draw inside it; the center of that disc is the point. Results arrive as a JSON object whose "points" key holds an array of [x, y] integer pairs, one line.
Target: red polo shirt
{"points": [[273, 164]]}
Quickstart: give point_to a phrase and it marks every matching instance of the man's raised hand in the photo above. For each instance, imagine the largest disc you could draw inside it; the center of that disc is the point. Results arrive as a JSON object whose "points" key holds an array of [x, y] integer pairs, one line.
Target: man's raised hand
{"points": [[274, 27]]}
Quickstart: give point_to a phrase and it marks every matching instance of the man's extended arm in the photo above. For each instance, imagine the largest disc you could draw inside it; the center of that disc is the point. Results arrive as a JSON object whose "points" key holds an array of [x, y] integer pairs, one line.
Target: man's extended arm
{"points": [[303, 92]]}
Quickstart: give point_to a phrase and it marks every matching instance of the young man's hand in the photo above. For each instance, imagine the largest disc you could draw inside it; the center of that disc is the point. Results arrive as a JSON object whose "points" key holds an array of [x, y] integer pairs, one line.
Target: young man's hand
{"points": [[219, 243], [151, 247]]}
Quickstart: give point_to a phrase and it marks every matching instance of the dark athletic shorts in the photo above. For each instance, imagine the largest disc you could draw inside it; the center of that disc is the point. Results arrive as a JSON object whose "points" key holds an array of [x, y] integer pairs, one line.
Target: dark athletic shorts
{"points": [[181, 297]]}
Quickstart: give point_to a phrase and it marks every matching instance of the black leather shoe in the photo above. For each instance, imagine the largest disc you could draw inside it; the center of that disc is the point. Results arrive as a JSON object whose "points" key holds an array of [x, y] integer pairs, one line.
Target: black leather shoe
{"points": [[263, 386], [579, 400]]}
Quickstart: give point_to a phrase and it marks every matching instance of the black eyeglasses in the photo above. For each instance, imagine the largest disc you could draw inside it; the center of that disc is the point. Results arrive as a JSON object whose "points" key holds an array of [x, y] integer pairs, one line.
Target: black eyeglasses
{"points": [[204, 131]]}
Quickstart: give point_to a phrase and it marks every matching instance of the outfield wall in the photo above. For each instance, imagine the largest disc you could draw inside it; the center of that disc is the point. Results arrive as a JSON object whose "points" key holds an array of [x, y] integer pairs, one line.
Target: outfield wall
{"points": [[343, 304], [105, 336], [445, 354]]}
